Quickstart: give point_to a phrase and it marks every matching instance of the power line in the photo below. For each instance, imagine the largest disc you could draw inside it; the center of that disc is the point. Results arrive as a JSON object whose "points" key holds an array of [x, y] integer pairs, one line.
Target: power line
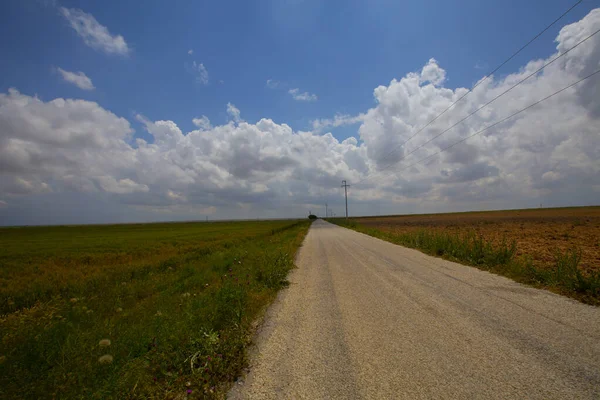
{"points": [[483, 106], [501, 121], [477, 84]]}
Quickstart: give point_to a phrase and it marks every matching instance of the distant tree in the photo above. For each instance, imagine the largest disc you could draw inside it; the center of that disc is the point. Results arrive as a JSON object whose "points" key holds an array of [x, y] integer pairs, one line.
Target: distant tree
{"points": [[312, 216]]}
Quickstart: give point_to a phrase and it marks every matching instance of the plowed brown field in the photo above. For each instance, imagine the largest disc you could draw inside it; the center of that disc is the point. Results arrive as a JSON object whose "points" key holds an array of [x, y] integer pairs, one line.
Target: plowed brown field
{"points": [[538, 232]]}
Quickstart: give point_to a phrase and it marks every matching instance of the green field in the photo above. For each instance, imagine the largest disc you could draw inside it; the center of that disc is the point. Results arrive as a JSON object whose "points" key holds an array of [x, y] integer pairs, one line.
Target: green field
{"points": [[135, 311]]}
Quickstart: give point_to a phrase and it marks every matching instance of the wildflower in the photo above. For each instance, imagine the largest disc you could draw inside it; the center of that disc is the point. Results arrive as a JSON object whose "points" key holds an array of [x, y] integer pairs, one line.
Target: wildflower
{"points": [[119, 309], [73, 300], [188, 384], [189, 391], [186, 294], [239, 262], [106, 359], [89, 311], [104, 343], [158, 314], [206, 285]]}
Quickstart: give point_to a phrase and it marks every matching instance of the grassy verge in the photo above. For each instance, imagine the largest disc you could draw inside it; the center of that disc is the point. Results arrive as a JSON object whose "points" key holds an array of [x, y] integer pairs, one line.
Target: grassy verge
{"points": [[120, 312], [499, 257]]}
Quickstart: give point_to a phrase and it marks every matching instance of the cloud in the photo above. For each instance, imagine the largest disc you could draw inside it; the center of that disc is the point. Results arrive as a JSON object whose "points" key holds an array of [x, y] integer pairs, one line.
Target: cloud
{"points": [[273, 84], [190, 52], [203, 123], [233, 112], [93, 33], [3, 204], [121, 186], [433, 73], [176, 196], [510, 163], [199, 71], [79, 79], [302, 96], [68, 151], [338, 120], [481, 65]]}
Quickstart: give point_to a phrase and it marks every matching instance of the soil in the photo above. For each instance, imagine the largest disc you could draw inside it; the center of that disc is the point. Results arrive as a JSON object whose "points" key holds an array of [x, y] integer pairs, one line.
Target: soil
{"points": [[537, 232]]}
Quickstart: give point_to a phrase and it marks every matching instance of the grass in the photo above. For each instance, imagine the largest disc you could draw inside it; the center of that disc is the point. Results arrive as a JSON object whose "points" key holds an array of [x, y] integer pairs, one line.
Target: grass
{"points": [[497, 256], [135, 311]]}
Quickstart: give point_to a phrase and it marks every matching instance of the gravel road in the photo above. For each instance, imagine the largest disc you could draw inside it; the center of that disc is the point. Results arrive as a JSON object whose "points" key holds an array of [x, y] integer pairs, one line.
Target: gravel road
{"points": [[364, 318]]}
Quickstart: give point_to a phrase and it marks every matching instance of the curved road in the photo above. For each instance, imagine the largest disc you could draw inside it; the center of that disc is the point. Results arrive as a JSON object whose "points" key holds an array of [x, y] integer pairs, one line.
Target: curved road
{"points": [[366, 319]]}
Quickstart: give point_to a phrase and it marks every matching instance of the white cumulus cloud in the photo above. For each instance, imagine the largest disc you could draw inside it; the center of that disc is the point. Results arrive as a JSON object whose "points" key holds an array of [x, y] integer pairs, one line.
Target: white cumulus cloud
{"points": [[93, 33], [121, 186], [199, 71], [305, 96], [79, 79], [338, 120], [202, 122], [233, 112], [272, 84]]}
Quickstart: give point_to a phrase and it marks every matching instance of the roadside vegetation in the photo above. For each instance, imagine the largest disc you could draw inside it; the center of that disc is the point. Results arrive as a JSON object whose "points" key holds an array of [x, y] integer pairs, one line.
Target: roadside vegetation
{"points": [[499, 255], [135, 311]]}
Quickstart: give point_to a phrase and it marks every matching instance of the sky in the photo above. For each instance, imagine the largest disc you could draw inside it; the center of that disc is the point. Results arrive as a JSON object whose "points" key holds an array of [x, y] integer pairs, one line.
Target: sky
{"points": [[120, 112]]}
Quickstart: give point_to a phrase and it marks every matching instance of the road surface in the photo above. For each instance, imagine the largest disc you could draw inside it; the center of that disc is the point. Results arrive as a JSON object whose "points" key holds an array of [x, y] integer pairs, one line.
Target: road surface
{"points": [[366, 319]]}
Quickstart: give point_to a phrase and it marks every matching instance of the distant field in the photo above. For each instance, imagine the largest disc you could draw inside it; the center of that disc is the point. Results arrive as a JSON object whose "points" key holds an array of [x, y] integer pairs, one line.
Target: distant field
{"points": [[555, 248], [169, 305], [537, 232]]}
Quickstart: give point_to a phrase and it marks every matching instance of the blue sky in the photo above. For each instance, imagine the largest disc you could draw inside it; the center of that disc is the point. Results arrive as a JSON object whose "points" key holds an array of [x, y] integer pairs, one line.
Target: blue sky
{"points": [[183, 60], [338, 50]]}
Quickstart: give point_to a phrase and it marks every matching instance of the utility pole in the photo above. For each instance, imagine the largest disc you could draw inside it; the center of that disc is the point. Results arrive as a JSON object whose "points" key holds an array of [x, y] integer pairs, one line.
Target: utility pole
{"points": [[326, 210], [345, 186]]}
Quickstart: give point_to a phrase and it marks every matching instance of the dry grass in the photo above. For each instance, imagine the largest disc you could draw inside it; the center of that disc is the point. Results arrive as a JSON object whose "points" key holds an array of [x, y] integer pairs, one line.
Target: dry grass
{"points": [[537, 232]]}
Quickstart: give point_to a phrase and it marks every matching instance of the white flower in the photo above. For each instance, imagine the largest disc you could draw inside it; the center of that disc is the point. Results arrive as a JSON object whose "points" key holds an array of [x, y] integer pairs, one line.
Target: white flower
{"points": [[104, 343], [105, 359]]}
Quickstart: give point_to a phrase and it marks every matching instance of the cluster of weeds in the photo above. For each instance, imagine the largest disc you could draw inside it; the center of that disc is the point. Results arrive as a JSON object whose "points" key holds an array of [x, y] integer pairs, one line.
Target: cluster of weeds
{"points": [[499, 257], [274, 270], [154, 327], [566, 276], [470, 247]]}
